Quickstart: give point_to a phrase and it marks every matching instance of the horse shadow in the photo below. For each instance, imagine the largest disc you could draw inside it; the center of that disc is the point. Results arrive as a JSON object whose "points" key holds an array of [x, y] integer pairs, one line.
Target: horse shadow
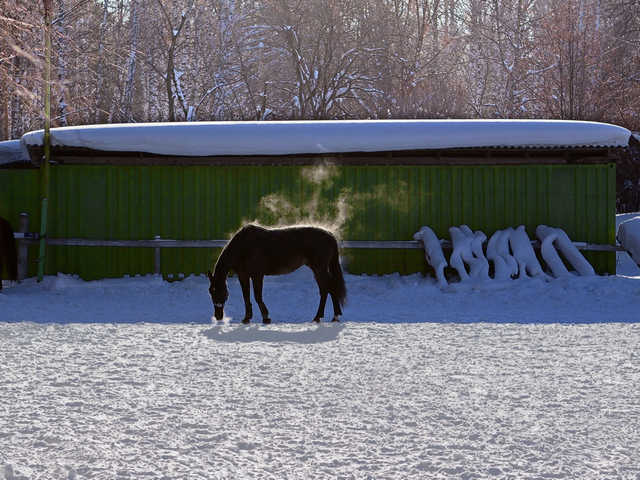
{"points": [[322, 333]]}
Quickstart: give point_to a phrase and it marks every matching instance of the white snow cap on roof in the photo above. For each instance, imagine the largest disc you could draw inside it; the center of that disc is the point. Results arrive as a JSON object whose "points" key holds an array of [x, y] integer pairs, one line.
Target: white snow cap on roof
{"points": [[11, 152], [318, 137]]}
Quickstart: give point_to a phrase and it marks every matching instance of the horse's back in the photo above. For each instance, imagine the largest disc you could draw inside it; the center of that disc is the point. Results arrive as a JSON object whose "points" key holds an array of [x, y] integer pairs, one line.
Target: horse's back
{"points": [[277, 251], [304, 234]]}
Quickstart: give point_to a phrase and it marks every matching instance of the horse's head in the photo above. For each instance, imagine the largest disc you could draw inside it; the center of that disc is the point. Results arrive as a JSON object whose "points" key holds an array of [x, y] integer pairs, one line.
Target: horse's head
{"points": [[219, 295]]}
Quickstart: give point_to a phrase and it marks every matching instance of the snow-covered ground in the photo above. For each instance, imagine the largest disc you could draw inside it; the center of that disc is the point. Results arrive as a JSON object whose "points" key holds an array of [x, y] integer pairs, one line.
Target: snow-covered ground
{"points": [[353, 400], [293, 299], [129, 378]]}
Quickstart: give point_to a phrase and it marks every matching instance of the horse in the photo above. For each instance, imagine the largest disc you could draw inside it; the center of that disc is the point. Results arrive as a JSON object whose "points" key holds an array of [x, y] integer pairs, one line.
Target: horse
{"points": [[8, 251], [255, 251]]}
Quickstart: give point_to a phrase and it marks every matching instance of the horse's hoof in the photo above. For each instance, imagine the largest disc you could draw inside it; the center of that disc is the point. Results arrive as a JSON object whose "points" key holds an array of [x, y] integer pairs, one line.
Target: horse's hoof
{"points": [[316, 320], [266, 321], [246, 320], [335, 319]]}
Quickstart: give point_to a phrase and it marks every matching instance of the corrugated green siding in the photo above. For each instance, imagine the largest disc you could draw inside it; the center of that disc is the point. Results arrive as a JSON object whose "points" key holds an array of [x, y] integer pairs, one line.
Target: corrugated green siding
{"points": [[387, 203], [20, 192]]}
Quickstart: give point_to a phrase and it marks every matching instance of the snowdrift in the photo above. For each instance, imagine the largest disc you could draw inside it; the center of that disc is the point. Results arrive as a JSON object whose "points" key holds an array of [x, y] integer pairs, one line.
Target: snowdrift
{"points": [[629, 237], [510, 252]]}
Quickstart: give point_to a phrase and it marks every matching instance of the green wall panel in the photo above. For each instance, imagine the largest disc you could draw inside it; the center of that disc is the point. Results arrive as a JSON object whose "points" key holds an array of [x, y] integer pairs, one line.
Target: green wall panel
{"points": [[386, 203], [20, 192]]}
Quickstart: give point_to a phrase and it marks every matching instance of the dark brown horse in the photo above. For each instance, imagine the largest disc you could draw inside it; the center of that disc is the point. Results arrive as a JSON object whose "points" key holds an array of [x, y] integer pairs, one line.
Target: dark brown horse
{"points": [[254, 252], [7, 251]]}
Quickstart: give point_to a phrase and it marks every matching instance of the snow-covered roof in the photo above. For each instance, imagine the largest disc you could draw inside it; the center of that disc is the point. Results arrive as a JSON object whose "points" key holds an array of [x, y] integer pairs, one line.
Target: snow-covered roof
{"points": [[10, 152], [323, 137]]}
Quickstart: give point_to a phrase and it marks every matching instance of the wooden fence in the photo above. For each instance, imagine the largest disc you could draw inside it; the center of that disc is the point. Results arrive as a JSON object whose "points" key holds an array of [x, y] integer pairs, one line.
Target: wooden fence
{"points": [[26, 238]]}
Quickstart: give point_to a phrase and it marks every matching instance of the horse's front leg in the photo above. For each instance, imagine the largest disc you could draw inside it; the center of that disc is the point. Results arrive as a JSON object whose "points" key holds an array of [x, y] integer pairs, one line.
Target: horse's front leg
{"points": [[246, 294], [257, 293]]}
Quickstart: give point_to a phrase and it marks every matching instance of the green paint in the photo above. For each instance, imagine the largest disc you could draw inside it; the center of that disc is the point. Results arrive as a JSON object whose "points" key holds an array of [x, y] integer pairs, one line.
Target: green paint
{"points": [[385, 203]]}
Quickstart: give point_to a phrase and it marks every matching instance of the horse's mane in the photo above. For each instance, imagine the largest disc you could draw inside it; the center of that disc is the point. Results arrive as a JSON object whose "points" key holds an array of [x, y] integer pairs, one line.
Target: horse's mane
{"points": [[228, 255]]}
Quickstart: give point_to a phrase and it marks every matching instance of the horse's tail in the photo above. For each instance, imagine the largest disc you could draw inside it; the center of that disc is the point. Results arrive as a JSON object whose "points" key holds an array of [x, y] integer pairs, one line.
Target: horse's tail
{"points": [[9, 249], [337, 286]]}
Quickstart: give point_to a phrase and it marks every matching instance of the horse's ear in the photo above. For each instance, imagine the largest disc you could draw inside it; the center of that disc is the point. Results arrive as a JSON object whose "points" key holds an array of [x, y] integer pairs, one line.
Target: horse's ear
{"points": [[210, 275]]}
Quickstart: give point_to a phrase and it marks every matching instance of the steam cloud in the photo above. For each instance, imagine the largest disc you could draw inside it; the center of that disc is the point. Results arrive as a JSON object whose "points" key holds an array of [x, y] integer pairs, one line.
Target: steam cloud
{"points": [[320, 205], [279, 211]]}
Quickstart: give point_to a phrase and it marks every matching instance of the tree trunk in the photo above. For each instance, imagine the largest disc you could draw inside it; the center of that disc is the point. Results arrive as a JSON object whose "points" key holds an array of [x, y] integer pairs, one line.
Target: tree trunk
{"points": [[131, 69], [62, 65]]}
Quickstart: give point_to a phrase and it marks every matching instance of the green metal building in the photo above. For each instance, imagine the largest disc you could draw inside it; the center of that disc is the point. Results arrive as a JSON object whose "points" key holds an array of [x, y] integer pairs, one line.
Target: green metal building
{"points": [[370, 180]]}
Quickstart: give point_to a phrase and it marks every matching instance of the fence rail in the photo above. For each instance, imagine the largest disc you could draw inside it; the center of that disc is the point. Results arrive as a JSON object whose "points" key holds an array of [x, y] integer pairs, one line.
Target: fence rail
{"points": [[27, 238], [32, 239]]}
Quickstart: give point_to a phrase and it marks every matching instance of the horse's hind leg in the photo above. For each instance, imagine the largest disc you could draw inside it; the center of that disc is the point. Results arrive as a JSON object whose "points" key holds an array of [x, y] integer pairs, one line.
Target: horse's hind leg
{"points": [[322, 277], [337, 311], [246, 294], [257, 294]]}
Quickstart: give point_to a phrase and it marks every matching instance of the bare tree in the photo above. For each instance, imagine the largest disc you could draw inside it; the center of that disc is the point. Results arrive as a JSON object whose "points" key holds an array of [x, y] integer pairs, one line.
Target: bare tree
{"points": [[420, 45], [131, 67], [155, 60], [19, 65], [317, 47], [568, 59], [501, 55]]}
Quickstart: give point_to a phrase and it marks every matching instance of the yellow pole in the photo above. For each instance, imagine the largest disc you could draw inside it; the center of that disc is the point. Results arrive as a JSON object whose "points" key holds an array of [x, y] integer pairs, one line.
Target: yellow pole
{"points": [[45, 170]]}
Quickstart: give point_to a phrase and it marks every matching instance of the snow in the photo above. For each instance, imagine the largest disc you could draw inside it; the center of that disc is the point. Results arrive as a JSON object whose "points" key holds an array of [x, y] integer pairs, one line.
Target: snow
{"points": [[523, 252], [433, 253], [504, 265], [629, 237], [480, 266], [469, 260], [547, 236], [624, 261], [124, 378], [462, 254], [11, 152], [325, 137], [572, 254], [473, 267], [130, 377], [561, 241]]}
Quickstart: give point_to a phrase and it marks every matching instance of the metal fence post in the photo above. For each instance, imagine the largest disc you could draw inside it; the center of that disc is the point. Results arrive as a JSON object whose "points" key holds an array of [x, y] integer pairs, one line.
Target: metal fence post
{"points": [[23, 248], [156, 258]]}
